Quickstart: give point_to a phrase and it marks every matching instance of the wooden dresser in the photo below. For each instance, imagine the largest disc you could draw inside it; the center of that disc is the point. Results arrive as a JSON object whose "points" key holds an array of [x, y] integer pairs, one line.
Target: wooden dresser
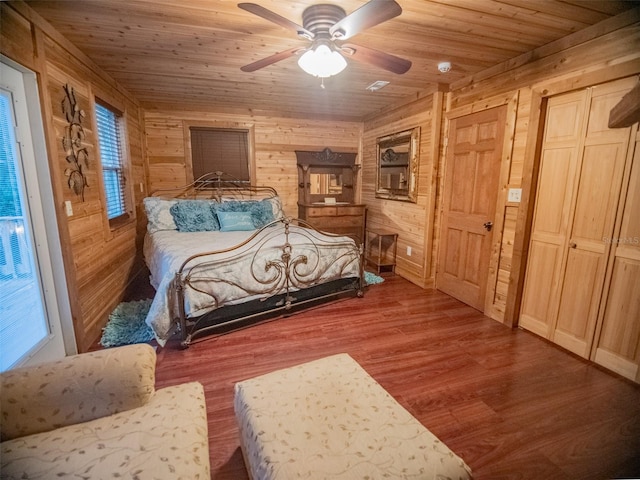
{"points": [[326, 192], [344, 219]]}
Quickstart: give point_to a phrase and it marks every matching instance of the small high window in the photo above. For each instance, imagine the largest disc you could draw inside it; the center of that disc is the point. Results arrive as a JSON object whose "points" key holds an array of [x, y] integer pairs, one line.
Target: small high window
{"points": [[220, 149], [110, 136]]}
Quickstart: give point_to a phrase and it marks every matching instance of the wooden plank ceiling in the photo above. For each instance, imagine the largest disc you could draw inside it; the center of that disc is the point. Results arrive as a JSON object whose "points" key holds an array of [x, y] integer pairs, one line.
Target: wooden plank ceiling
{"points": [[187, 54]]}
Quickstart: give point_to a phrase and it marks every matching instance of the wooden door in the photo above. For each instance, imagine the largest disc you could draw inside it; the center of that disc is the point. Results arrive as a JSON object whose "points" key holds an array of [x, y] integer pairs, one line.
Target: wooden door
{"points": [[549, 232], [579, 185], [470, 195], [618, 342]]}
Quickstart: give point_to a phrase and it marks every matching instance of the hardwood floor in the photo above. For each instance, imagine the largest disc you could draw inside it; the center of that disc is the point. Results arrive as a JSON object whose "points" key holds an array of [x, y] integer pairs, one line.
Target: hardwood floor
{"points": [[510, 404]]}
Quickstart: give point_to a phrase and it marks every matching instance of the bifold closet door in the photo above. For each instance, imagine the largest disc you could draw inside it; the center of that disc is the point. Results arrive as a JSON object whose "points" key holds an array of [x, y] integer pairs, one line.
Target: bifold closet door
{"points": [[549, 232], [618, 342], [579, 186]]}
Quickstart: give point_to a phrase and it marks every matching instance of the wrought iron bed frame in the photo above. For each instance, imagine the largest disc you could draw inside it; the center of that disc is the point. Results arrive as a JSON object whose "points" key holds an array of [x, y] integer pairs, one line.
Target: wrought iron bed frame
{"points": [[290, 272]]}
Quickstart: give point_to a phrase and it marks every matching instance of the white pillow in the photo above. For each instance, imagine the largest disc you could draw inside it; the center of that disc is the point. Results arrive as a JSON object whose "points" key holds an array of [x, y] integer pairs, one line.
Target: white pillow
{"points": [[159, 214], [276, 205]]}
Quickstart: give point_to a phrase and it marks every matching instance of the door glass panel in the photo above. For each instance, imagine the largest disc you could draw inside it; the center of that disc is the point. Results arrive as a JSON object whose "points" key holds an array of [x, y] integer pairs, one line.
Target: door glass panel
{"points": [[23, 322]]}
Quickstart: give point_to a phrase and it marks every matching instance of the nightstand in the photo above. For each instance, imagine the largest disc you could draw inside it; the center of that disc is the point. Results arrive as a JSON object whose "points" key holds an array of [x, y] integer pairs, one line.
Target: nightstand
{"points": [[381, 248]]}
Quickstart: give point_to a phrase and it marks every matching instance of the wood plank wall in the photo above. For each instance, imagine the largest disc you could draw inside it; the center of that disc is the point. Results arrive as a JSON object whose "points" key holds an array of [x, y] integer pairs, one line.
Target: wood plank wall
{"points": [[410, 220], [601, 53], [275, 142], [99, 262]]}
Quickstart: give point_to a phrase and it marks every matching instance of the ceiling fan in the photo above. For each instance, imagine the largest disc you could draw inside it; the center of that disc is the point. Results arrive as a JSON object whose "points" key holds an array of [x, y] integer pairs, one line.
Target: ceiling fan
{"points": [[327, 27]]}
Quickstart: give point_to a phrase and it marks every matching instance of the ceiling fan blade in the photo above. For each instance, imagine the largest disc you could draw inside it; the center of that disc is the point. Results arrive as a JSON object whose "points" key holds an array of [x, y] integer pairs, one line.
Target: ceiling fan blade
{"points": [[265, 62], [376, 57], [277, 19], [368, 15]]}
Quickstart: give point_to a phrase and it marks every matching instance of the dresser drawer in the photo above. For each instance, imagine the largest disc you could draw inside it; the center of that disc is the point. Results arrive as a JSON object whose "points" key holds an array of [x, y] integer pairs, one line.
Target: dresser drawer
{"points": [[321, 211], [328, 222], [349, 210], [340, 219]]}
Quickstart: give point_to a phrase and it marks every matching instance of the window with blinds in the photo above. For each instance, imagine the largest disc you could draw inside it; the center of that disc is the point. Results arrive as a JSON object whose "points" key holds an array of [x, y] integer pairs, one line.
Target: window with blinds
{"points": [[220, 149], [111, 157]]}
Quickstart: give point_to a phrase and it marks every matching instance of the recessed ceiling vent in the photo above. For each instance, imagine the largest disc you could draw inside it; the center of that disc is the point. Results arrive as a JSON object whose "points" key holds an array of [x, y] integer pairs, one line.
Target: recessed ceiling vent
{"points": [[377, 85]]}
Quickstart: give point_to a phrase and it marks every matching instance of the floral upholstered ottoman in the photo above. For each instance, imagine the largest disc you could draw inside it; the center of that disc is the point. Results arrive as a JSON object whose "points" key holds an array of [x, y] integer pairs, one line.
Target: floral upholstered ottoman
{"points": [[329, 419]]}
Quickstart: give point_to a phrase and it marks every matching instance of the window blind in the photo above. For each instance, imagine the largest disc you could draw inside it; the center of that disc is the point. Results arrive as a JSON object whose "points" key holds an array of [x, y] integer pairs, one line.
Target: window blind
{"points": [[9, 195], [217, 149], [111, 159]]}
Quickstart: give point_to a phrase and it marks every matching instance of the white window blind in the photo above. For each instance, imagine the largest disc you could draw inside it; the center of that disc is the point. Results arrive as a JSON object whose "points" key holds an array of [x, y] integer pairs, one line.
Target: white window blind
{"points": [[111, 158]]}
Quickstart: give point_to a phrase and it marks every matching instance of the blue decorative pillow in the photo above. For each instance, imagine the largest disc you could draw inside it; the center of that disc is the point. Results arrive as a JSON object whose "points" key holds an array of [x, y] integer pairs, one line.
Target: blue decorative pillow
{"points": [[194, 216], [235, 221], [261, 211]]}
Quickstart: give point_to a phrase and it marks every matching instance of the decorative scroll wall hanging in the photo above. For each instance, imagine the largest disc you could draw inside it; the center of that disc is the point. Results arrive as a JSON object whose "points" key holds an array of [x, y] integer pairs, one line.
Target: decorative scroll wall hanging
{"points": [[76, 155]]}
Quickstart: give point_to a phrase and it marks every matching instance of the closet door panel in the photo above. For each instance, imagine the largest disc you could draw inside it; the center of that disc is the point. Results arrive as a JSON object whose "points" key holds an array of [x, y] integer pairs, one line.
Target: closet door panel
{"points": [[618, 347], [594, 216], [579, 302], [598, 192], [538, 298], [548, 239]]}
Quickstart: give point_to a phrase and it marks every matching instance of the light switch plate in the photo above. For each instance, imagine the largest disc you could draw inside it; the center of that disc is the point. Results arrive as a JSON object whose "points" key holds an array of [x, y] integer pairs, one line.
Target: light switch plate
{"points": [[515, 194]]}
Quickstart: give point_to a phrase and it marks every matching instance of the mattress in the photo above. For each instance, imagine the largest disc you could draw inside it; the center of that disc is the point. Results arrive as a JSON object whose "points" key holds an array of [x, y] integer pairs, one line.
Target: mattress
{"points": [[329, 419]]}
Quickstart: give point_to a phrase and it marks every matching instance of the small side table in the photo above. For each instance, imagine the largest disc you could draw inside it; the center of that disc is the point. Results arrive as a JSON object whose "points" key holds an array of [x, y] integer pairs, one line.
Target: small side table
{"points": [[381, 248]]}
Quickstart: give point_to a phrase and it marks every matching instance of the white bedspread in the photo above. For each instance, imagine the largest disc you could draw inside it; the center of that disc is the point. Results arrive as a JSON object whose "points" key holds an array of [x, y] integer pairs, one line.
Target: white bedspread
{"points": [[251, 272]]}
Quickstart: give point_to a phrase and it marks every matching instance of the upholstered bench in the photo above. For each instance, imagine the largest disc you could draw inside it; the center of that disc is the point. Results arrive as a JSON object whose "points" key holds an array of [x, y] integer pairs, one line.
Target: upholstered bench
{"points": [[330, 419]]}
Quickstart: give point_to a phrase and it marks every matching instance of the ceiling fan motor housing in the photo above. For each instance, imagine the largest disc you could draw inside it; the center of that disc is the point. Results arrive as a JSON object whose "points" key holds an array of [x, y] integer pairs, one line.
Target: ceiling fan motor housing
{"points": [[320, 18]]}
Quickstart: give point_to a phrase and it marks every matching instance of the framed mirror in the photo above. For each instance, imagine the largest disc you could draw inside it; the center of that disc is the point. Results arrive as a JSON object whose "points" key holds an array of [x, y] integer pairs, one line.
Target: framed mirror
{"points": [[397, 165], [325, 184]]}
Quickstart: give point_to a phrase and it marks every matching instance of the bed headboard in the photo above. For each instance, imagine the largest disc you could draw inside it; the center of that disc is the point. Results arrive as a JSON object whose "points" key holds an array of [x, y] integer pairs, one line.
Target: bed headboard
{"points": [[218, 186]]}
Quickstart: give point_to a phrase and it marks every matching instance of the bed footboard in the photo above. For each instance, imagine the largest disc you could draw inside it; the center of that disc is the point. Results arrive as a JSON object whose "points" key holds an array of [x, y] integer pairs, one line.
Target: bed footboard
{"points": [[282, 268]]}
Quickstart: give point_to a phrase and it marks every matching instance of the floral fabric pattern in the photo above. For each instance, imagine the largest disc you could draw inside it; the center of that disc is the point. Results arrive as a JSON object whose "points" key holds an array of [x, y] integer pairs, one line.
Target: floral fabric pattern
{"points": [[158, 212], [75, 389], [328, 419], [97, 415]]}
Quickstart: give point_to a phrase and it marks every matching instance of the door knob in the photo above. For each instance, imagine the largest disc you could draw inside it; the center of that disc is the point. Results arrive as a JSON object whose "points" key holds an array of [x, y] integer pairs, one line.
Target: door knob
{"points": [[573, 244], [488, 226]]}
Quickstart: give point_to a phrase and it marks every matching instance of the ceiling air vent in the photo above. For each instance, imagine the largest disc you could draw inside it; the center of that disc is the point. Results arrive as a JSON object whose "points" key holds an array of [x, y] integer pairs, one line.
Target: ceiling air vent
{"points": [[377, 85]]}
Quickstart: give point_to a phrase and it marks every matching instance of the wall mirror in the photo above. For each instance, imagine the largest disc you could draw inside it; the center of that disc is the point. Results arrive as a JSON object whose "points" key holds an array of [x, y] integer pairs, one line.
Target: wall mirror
{"points": [[397, 165], [326, 175], [325, 183]]}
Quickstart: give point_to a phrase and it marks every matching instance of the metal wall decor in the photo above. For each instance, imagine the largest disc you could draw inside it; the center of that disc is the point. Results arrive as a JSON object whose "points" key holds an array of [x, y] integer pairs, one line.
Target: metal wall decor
{"points": [[76, 155]]}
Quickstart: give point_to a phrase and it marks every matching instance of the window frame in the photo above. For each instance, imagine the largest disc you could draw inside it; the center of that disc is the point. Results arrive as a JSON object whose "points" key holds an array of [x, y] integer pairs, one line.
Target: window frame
{"points": [[249, 128], [125, 166]]}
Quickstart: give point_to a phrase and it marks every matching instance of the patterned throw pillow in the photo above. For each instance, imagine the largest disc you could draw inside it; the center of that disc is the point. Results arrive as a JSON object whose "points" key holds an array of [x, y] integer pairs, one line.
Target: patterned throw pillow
{"points": [[194, 216], [261, 211], [158, 214], [276, 206], [235, 221]]}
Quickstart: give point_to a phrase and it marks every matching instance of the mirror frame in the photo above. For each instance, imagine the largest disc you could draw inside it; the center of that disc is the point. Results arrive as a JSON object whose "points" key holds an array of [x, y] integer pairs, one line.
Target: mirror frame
{"points": [[411, 138]]}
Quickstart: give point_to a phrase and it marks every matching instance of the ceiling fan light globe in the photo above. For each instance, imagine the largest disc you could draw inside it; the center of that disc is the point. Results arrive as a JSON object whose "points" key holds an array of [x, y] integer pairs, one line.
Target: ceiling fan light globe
{"points": [[322, 62]]}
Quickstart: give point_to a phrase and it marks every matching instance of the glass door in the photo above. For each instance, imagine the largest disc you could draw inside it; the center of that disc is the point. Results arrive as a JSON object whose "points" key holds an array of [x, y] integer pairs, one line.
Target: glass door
{"points": [[26, 304]]}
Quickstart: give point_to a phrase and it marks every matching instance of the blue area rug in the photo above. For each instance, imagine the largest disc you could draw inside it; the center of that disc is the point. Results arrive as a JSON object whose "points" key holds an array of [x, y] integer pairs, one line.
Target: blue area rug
{"points": [[372, 278], [126, 325]]}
